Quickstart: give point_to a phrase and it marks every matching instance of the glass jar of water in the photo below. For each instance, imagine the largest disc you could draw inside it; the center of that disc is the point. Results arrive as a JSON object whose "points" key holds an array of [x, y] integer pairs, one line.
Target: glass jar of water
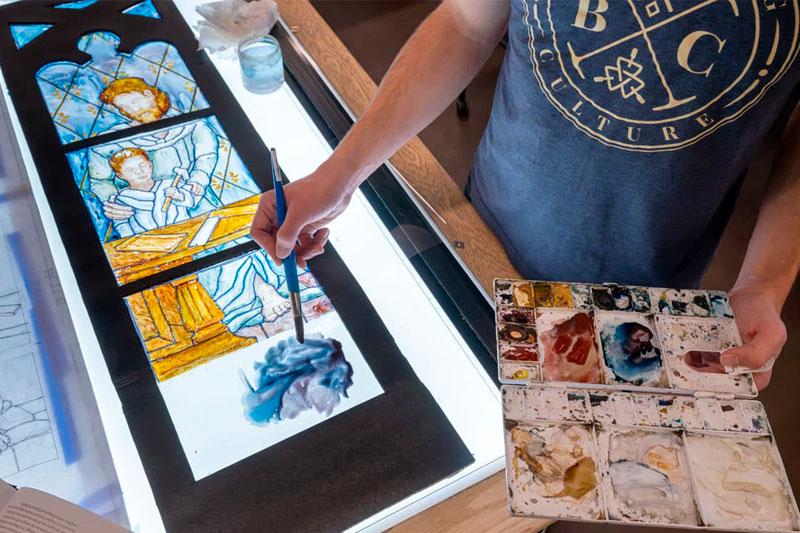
{"points": [[261, 62]]}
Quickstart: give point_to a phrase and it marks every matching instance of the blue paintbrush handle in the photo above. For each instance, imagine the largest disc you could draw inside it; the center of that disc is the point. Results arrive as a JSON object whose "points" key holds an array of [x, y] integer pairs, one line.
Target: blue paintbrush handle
{"points": [[290, 263]]}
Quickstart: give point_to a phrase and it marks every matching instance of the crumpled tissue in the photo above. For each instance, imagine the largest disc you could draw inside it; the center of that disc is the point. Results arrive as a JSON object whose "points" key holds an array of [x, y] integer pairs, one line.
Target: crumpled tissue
{"points": [[229, 21]]}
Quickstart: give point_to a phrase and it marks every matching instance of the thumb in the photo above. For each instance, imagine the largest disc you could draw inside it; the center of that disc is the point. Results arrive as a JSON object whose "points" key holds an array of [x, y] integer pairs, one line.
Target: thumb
{"points": [[288, 232], [766, 344]]}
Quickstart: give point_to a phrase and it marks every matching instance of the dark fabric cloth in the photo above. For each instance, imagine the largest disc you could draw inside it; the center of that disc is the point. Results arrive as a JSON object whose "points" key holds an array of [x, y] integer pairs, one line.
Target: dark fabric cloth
{"points": [[621, 132]]}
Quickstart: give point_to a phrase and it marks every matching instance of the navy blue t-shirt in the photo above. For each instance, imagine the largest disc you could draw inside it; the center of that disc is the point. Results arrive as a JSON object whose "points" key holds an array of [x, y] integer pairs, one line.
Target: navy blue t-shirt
{"points": [[621, 131]]}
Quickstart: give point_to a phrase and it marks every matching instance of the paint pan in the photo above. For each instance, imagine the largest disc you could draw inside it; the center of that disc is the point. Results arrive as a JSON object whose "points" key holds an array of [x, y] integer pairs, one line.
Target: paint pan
{"points": [[646, 477], [552, 470], [741, 483], [648, 459], [582, 296], [631, 349], [692, 348], [568, 346]]}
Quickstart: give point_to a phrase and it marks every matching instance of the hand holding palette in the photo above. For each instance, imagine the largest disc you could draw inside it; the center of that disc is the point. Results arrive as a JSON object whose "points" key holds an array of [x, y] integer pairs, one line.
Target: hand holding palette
{"points": [[627, 414]]}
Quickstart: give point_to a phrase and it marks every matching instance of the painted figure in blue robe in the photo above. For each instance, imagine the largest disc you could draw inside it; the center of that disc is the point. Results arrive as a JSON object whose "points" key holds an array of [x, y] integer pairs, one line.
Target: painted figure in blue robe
{"points": [[252, 294], [155, 204], [197, 155], [192, 148], [115, 91]]}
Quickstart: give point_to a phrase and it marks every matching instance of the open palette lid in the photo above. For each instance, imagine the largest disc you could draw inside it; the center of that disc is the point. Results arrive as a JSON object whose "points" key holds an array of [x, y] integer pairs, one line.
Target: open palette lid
{"points": [[646, 459], [617, 337]]}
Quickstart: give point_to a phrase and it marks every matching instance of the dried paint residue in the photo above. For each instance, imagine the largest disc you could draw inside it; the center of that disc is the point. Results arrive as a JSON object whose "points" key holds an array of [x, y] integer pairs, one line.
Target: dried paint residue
{"points": [[739, 483], [568, 346], [648, 477], [630, 350], [553, 470]]}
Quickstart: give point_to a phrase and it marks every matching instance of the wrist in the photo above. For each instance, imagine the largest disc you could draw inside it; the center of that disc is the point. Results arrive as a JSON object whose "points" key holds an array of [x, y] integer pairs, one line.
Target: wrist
{"points": [[345, 171], [745, 285]]}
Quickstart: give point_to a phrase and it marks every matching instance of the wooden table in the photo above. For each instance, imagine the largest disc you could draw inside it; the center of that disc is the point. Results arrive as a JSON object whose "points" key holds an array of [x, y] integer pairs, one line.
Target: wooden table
{"points": [[482, 507]]}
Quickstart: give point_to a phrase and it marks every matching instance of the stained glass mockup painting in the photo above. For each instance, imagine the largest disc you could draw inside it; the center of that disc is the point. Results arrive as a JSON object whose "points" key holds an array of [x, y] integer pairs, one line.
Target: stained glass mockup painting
{"points": [[227, 331], [115, 91], [148, 174], [143, 9], [76, 4], [160, 198], [197, 318]]}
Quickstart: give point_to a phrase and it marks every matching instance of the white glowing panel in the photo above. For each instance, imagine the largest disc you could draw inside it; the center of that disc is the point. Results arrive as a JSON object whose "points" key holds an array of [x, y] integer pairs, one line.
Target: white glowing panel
{"points": [[205, 403], [412, 315]]}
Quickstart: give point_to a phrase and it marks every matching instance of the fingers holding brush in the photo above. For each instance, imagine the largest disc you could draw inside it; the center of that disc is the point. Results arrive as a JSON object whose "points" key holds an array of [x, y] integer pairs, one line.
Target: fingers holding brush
{"points": [[310, 245], [264, 229]]}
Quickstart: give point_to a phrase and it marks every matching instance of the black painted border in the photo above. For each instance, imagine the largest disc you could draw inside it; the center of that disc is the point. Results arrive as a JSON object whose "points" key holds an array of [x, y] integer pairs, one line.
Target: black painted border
{"points": [[326, 478]]}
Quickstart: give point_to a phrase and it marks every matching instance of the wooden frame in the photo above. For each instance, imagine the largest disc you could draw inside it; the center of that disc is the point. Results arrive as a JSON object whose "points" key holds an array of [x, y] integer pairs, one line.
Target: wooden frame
{"points": [[444, 202]]}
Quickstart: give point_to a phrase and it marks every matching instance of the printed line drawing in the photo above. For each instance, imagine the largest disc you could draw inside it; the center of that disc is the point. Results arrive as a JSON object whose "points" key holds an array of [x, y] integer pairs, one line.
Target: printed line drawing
{"points": [[26, 436], [13, 326]]}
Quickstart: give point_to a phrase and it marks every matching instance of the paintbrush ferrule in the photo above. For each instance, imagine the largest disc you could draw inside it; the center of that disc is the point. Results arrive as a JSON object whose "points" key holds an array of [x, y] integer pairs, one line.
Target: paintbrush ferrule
{"points": [[297, 314]]}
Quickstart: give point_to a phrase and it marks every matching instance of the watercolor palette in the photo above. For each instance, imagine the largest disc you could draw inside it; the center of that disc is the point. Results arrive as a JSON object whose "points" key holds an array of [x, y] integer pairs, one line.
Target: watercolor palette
{"points": [[646, 459], [617, 337]]}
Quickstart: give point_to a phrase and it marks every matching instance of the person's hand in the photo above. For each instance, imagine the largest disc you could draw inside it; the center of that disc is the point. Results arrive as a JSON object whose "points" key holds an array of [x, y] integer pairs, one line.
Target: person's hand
{"points": [[114, 211], [195, 188], [311, 203], [763, 332], [174, 193]]}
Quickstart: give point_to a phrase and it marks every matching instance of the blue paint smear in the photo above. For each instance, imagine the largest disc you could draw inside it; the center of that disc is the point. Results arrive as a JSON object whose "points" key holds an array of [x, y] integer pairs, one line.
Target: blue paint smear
{"points": [[296, 377], [25, 33], [629, 353], [49, 345], [720, 306], [78, 4], [144, 9]]}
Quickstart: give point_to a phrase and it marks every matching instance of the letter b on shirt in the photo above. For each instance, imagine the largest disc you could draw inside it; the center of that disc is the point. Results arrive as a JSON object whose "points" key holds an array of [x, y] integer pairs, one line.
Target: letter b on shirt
{"points": [[589, 15]]}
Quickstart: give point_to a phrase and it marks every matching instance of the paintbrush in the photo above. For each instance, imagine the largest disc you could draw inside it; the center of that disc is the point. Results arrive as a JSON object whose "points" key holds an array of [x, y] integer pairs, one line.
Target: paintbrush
{"points": [[290, 263]]}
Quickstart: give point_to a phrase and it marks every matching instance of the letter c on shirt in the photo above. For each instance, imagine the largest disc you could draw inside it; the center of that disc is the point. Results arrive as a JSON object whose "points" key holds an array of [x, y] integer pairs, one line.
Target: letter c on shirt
{"points": [[685, 50]]}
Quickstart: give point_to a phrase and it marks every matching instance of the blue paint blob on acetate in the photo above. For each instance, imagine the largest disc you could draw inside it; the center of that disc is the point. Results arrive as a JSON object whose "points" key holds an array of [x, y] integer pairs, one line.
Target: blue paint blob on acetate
{"points": [[25, 33], [78, 4], [144, 9], [115, 91], [296, 377]]}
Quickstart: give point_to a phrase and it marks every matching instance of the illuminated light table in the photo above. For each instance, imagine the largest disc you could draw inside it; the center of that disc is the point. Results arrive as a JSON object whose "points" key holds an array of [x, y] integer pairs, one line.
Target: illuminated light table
{"points": [[430, 299]]}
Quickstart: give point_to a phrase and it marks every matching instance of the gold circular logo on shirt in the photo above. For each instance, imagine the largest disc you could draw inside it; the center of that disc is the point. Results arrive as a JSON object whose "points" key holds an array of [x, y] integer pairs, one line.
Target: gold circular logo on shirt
{"points": [[655, 75]]}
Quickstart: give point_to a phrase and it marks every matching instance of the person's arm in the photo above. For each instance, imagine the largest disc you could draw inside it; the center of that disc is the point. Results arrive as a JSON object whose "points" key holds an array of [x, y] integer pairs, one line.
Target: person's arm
{"points": [[771, 263], [436, 63]]}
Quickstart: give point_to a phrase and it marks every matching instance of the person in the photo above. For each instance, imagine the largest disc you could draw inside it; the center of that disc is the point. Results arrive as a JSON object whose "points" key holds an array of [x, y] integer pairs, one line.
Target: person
{"points": [[617, 144], [154, 204]]}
